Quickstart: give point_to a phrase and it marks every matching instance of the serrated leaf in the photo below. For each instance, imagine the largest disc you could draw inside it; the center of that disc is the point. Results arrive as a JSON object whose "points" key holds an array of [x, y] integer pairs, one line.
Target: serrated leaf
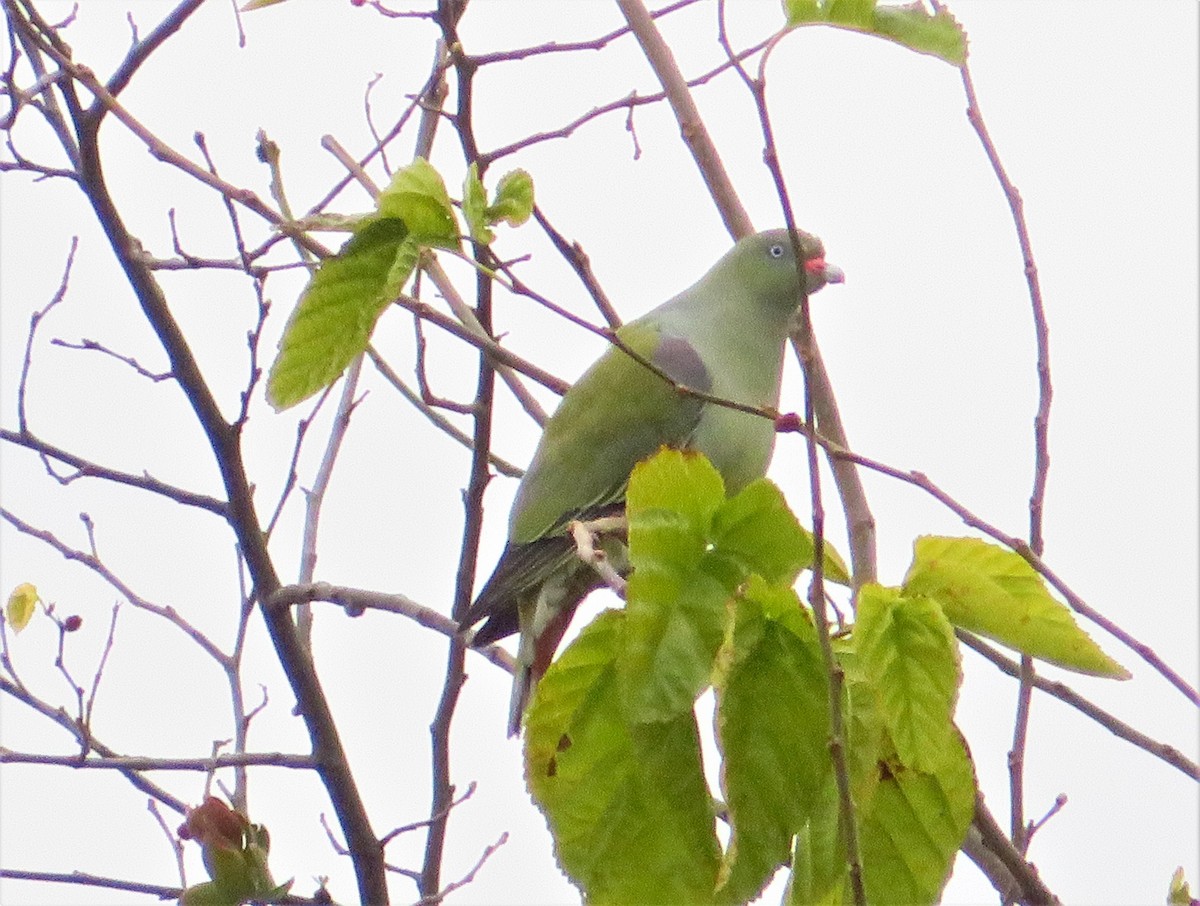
{"points": [[757, 530], [913, 827], [675, 611], [336, 313], [407, 255], [22, 604], [417, 195], [682, 482], [773, 732], [937, 34], [628, 808], [911, 26], [907, 647], [474, 207], [514, 199], [674, 626], [819, 875], [251, 5], [992, 591]]}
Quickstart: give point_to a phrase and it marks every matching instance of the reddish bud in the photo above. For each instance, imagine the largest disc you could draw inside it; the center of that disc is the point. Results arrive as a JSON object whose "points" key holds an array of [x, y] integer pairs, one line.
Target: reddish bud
{"points": [[213, 823], [788, 422], [72, 623]]}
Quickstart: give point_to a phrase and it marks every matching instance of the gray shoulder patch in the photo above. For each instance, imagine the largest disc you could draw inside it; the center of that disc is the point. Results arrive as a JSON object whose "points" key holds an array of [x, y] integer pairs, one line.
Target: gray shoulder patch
{"points": [[681, 363]]}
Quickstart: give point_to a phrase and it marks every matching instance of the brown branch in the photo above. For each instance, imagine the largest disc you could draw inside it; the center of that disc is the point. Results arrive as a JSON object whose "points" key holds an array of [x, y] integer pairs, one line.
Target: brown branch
{"points": [[695, 134], [628, 103], [466, 879], [810, 360], [488, 345], [92, 562], [442, 794], [1018, 546], [141, 51], [425, 822], [88, 126], [552, 47], [1041, 444], [503, 466], [87, 345], [86, 879], [1068, 696], [35, 322], [146, 763], [60, 717], [87, 469], [1032, 890], [576, 257]]}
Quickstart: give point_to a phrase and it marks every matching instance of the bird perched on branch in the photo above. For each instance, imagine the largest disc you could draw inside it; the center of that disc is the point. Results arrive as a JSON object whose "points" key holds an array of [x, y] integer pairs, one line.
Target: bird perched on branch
{"points": [[723, 337]]}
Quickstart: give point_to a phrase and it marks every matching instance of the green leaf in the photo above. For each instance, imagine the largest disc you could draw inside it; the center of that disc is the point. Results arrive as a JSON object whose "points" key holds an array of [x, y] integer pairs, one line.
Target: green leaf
{"points": [[210, 893], [474, 207], [674, 628], [628, 807], [336, 313], [675, 611], [514, 199], [405, 262], [913, 827], [911, 26], [773, 732], [992, 591], [682, 482], [757, 531], [938, 35], [907, 647], [417, 195], [22, 604], [820, 876], [1178, 892]]}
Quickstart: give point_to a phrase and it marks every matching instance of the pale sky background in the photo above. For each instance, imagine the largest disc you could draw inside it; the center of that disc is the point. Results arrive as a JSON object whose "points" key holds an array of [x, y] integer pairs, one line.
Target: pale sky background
{"points": [[929, 344]]}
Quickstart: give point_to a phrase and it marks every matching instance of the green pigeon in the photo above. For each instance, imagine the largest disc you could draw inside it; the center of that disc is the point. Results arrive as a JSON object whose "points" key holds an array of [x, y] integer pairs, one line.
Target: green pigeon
{"points": [[724, 337]]}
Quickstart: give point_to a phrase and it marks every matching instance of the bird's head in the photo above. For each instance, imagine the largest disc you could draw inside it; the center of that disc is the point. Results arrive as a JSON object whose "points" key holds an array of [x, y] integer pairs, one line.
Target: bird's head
{"points": [[767, 263]]}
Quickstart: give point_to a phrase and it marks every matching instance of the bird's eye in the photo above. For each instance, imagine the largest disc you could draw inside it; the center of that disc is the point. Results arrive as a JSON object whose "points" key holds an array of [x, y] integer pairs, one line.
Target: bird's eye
{"points": [[775, 251]]}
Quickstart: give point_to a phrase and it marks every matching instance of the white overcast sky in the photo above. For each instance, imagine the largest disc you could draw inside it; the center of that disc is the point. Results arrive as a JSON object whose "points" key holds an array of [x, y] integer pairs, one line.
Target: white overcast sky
{"points": [[1093, 107]]}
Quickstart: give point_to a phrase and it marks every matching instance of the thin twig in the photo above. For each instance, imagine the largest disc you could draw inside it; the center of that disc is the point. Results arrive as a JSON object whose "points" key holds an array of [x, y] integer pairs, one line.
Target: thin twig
{"points": [[59, 716], [1068, 696], [503, 466], [86, 469], [146, 763], [1041, 442], [355, 601]]}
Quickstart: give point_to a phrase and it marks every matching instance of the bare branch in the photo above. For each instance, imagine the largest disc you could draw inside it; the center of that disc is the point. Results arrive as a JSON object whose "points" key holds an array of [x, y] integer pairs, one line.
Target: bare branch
{"points": [[60, 717], [93, 346], [695, 133], [1065, 694], [503, 466], [86, 469], [357, 600], [145, 763]]}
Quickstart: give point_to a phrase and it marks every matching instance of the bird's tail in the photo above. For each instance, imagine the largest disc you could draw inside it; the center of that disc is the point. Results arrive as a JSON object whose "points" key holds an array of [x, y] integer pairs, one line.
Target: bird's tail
{"points": [[534, 654], [521, 687]]}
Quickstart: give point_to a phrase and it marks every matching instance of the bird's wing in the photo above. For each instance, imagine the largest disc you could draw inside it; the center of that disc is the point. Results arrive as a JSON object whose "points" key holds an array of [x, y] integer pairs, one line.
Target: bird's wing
{"points": [[616, 415]]}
